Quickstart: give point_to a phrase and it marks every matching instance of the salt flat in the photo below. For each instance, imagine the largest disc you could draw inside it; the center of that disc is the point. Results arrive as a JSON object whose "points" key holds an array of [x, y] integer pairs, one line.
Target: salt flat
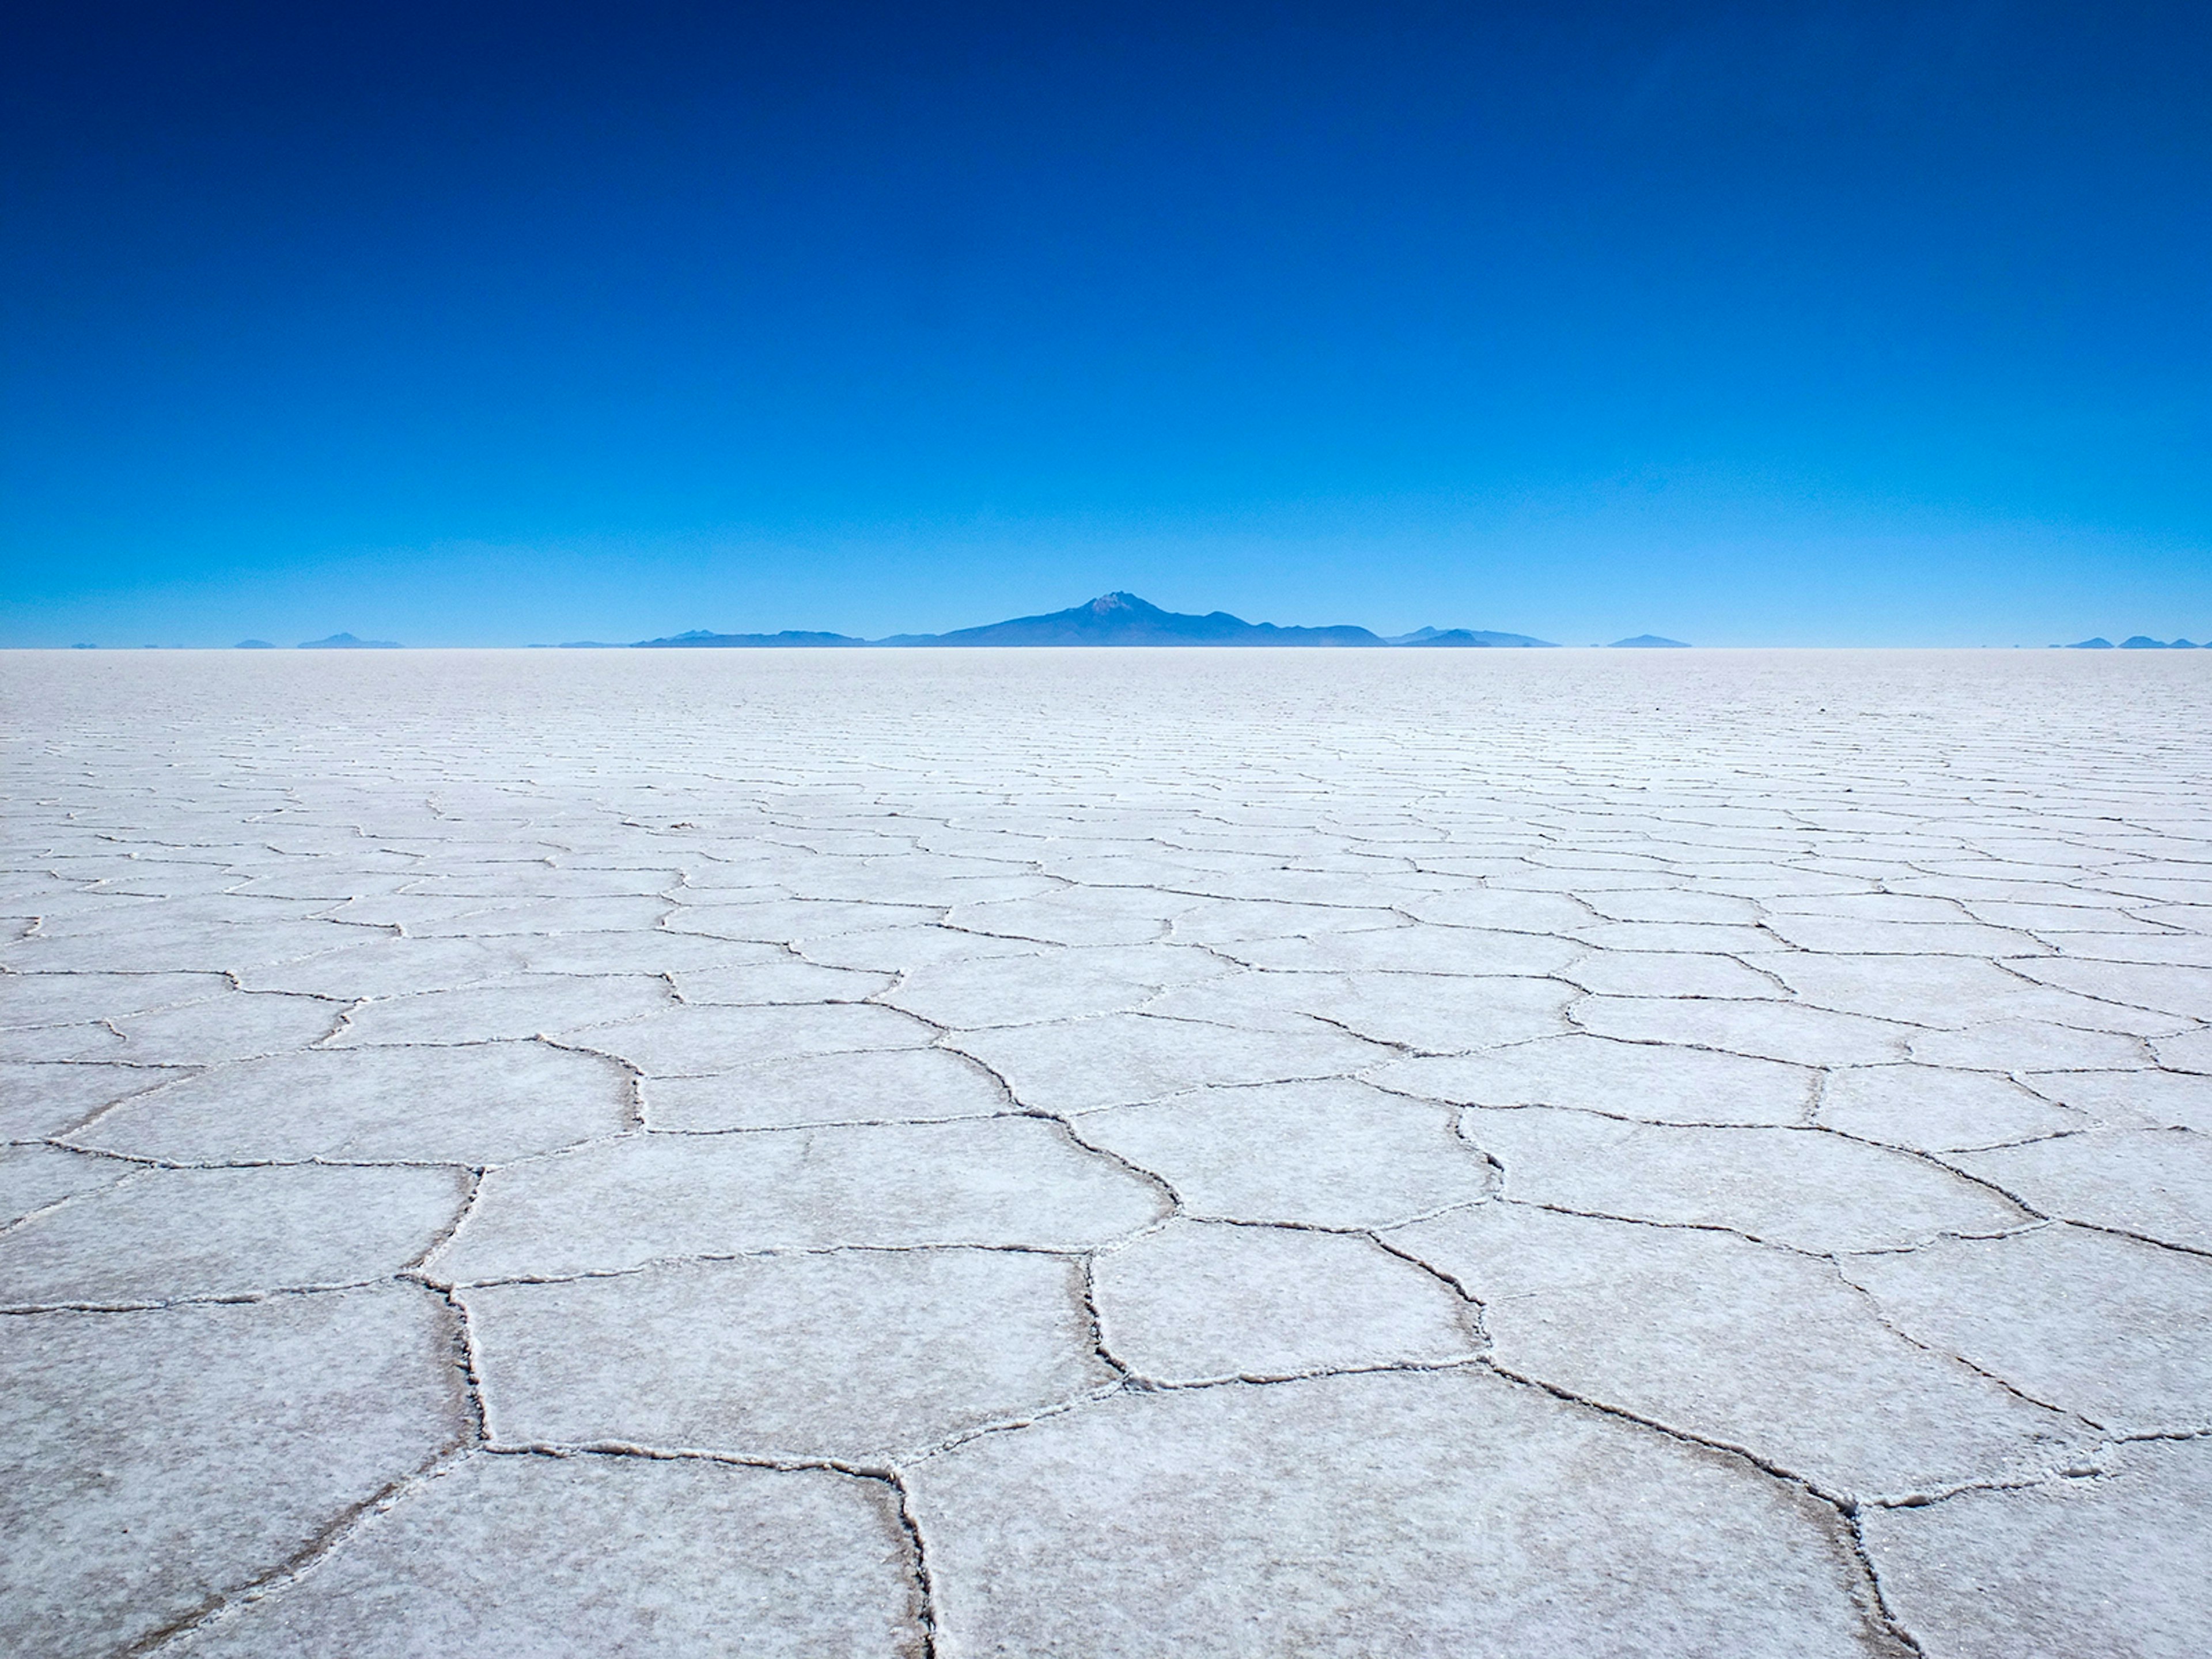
{"points": [[1183, 1153]]}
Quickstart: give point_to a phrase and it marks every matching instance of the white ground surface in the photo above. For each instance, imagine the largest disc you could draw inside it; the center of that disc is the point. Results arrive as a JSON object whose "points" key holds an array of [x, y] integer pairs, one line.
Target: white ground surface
{"points": [[1146, 1153]]}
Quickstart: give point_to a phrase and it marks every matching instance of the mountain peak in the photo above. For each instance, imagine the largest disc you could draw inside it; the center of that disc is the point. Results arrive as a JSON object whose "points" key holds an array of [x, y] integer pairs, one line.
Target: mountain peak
{"points": [[1122, 618]]}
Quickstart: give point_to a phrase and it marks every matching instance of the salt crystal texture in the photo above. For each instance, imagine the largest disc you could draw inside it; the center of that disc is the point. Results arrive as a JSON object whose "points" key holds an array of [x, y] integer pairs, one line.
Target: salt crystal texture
{"points": [[1107, 1153]]}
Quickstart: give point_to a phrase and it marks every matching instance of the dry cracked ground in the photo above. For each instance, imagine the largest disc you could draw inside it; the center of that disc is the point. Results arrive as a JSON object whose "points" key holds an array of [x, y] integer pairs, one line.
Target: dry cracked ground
{"points": [[1141, 1153]]}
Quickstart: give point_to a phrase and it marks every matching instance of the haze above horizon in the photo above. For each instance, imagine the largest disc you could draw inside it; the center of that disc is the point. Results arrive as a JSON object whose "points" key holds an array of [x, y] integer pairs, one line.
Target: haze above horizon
{"points": [[1811, 324]]}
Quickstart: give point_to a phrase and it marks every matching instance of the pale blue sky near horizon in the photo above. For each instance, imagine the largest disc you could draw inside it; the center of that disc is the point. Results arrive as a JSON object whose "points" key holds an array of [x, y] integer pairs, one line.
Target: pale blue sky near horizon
{"points": [[1797, 324]]}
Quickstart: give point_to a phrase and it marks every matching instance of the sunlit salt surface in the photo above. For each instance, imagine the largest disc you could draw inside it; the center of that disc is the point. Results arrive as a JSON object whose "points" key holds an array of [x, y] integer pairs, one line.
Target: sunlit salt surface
{"points": [[1107, 1153]]}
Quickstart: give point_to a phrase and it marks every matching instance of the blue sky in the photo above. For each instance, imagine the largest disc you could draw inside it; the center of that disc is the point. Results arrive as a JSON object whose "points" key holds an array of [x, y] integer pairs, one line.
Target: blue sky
{"points": [[1789, 324]]}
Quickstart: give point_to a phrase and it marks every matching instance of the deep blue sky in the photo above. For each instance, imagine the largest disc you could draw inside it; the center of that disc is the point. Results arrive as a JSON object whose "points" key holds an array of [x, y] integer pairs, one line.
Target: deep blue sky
{"points": [[1813, 324]]}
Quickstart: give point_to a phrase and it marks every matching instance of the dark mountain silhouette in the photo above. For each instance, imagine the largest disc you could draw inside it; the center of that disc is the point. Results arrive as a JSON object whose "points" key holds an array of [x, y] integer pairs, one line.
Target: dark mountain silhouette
{"points": [[2100, 643], [254, 645], [348, 642], [788, 637], [1649, 641], [2144, 642]]}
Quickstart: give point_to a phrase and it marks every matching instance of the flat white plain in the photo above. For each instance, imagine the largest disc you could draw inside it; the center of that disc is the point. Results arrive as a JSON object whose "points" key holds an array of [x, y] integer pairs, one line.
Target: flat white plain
{"points": [[1107, 1153]]}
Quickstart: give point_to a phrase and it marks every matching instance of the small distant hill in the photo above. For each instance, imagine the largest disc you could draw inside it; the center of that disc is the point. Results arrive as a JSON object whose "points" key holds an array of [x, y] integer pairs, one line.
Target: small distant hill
{"points": [[1649, 642], [1469, 636], [254, 645], [789, 637], [2100, 643], [348, 642], [2144, 642]]}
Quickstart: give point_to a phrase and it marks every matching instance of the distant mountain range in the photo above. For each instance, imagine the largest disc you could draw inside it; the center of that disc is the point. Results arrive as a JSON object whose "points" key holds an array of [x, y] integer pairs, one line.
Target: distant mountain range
{"points": [[2137, 642], [1110, 619], [1123, 619]]}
